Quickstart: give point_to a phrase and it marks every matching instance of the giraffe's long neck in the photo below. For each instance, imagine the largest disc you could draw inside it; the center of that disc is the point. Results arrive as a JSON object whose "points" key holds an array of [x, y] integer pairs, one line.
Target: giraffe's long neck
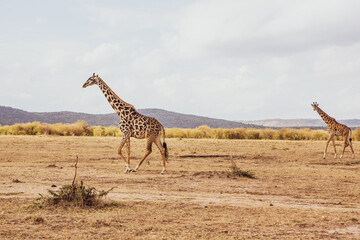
{"points": [[121, 107], [327, 119]]}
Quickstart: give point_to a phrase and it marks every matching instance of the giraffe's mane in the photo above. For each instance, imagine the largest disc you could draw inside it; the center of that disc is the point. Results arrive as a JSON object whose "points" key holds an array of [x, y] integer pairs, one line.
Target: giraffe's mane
{"points": [[118, 96]]}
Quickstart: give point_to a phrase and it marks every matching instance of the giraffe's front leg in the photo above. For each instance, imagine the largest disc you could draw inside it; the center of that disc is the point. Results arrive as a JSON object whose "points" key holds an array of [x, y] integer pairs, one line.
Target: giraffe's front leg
{"points": [[333, 141], [342, 153], [127, 144], [122, 143], [327, 144]]}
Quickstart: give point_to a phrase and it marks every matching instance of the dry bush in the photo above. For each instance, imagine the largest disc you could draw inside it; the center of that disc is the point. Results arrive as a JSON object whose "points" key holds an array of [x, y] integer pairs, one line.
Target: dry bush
{"points": [[250, 133], [177, 133], [79, 128], [235, 171], [77, 195], [356, 134], [267, 133], [236, 133], [99, 131], [253, 134]]}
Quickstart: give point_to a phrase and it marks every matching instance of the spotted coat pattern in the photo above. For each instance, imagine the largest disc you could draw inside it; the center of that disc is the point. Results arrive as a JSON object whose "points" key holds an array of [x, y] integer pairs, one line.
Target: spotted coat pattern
{"points": [[334, 129], [132, 124]]}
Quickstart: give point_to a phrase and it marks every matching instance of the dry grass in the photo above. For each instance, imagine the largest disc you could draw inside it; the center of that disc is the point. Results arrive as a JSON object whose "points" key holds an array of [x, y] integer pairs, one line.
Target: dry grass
{"points": [[78, 195], [81, 128], [295, 195]]}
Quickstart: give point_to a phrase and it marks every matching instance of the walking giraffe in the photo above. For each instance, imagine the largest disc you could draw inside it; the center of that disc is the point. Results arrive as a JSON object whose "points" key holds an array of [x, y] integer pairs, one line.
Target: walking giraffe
{"points": [[133, 124], [335, 129]]}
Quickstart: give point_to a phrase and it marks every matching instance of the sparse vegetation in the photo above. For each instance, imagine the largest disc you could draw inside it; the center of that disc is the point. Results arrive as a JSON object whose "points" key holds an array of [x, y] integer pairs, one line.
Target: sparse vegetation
{"points": [[295, 194], [38, 220], [16, 181], [235, 171], [81, 128], [75, 194], [251, 133]]}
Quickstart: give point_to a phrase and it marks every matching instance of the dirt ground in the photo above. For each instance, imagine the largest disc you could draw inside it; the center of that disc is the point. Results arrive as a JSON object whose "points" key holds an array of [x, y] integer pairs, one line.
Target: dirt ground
{"points": [[296, 194]]}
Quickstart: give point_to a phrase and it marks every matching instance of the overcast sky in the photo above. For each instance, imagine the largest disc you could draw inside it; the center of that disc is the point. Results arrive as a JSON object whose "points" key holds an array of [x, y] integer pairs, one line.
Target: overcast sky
{"points": [[236, 60]]}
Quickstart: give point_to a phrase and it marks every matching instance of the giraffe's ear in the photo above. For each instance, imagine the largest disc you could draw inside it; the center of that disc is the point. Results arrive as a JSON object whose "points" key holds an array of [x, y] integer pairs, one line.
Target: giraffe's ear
{"points": [[97, 75], [93, 74]]}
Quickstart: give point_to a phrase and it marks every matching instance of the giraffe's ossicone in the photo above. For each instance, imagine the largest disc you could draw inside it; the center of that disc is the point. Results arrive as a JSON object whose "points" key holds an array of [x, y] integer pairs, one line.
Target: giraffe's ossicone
{"points": [[133, 124], [335, 129]]}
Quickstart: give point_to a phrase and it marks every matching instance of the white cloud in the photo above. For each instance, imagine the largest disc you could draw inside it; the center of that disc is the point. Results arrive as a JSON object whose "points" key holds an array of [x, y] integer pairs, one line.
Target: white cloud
{"points": [[151, 63], [99, 54], [338, 62], [228, 59], [242, 29]]}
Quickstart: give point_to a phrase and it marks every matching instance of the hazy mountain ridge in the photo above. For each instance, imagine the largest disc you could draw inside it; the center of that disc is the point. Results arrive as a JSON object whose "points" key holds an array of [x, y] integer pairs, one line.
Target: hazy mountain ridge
{"points": [[9, 116], [297, 123]]}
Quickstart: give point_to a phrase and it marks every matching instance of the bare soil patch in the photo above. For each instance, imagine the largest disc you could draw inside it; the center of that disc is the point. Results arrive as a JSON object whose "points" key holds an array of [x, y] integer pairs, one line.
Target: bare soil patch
{"points": [[296, 194]]}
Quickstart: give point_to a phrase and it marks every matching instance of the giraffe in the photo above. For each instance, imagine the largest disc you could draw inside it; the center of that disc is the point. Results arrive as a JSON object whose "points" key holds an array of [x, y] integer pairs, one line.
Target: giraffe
{"points": [[335, 129], [133, 124]]}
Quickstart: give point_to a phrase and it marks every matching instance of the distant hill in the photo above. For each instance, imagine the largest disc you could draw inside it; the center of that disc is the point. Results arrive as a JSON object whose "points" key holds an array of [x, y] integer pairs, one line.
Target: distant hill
{"points": [[298, 123], [9, 116]]}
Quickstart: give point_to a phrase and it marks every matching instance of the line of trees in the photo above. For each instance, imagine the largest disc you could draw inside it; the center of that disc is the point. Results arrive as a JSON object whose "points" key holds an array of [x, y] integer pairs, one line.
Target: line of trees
{"points": [[81, 128]]}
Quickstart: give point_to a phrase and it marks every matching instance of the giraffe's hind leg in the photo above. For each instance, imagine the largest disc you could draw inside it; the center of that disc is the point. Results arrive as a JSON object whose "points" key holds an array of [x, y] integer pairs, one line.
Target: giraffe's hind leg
{"points": [[346, 139], [148, 151], [352, 150], [347, 142], [162, 151]]}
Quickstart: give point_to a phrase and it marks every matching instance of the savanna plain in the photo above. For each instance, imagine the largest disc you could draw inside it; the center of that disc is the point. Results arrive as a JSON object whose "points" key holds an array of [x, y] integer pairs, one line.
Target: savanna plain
{"points": [[295, 193]]}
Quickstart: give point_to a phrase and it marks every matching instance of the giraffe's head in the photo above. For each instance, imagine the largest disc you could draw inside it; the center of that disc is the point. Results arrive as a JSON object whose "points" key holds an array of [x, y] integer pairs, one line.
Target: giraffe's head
{"points": [[315, 105], [92, 80]]}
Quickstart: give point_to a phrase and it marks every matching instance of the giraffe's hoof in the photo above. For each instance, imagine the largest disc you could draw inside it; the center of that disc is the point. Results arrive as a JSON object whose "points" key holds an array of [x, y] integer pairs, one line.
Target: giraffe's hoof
{"points": [[133, 170], [341, 156], [128, 170]]}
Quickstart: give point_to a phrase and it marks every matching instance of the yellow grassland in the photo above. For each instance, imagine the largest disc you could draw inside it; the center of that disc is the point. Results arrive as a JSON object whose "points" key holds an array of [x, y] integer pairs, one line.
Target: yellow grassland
{"points": [[81, 128]]}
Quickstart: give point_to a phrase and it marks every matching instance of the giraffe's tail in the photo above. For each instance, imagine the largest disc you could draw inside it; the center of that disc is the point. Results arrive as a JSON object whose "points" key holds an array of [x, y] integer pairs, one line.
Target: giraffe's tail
{"points": [[349, 138], [165, 145]]}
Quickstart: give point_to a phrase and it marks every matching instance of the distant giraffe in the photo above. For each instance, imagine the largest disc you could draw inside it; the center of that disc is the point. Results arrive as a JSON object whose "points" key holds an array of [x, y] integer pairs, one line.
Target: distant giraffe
{"points": [[335, 129], [133, 124]]}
